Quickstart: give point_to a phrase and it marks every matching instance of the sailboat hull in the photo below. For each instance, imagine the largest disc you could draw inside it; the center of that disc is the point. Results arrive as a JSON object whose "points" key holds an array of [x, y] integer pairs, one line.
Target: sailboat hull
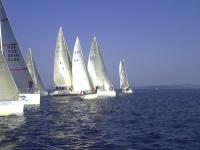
{"points": [[89, 96], [11, 108], [44, 93], [62, 93], [30, 99], [102, 94], [129, 91]]}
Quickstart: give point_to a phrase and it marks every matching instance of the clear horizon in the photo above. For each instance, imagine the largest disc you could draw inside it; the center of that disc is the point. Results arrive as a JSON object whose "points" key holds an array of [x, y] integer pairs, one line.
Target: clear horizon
{"points": [[158, 39]]}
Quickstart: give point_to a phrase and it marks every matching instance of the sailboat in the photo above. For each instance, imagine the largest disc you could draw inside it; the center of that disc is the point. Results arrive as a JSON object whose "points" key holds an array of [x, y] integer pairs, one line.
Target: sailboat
{"points": [[62, 67], [124, 85], [15, 60], [98, 72], [10, 102], [38, 85], [82, 84]]}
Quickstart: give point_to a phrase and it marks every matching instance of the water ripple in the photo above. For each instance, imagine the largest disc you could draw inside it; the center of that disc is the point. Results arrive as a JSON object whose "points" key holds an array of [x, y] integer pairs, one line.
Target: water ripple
{"points": [[167, 120]]}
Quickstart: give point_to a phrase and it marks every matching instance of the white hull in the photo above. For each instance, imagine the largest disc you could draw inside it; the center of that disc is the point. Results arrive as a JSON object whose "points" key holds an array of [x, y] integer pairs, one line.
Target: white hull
{"points": [[129, 91], [11, 108], [62, 93], [89, 96], [43, 93], [30, 99], [106, 93]]}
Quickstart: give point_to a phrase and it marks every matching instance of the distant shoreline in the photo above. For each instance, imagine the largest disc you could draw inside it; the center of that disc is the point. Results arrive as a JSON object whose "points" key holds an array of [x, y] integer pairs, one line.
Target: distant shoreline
{"points": [[189, 86]]}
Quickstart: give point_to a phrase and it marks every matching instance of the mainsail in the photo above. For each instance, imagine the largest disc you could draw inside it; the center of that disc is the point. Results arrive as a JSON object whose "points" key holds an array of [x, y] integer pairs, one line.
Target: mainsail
{"points": [[8, 88], [97, 69], [123, 76], [38, 85], [81, 80], [13, 54], [62, 63]]}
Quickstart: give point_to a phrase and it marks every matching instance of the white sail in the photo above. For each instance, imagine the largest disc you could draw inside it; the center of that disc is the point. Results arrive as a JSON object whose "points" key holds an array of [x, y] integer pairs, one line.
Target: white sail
{"points": [[13, 54], [123, 76], [8, 88], [81, 80], [38, 85], [62, 63], [97, 69], [69, 60]]}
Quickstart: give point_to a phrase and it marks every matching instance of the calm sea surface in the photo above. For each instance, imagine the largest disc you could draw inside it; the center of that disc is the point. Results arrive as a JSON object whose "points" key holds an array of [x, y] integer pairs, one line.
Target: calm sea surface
{"points": [[146, 120]]}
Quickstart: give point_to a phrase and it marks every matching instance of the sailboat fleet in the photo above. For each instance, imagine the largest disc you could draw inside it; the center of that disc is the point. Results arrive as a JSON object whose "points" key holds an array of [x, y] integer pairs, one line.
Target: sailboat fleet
{"points": [[20, 82], [18, 77]]}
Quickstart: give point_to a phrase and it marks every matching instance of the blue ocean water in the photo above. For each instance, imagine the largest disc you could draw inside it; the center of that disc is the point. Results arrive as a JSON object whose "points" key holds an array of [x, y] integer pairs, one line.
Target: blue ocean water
{"points": [[146, 120]]}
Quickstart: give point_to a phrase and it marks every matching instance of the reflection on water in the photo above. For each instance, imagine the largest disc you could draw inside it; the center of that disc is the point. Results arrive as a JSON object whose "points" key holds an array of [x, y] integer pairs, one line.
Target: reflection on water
{"points": [[145, 120], [7, 127], [11, 122]]}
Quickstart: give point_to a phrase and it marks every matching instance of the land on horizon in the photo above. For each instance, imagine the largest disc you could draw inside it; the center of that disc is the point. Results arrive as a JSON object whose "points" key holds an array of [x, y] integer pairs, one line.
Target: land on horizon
{"points": [[181, 86]]}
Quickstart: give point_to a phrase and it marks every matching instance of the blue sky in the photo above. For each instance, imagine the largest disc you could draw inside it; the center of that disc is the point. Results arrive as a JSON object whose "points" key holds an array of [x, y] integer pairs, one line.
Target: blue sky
{"points": [[159, 39]]}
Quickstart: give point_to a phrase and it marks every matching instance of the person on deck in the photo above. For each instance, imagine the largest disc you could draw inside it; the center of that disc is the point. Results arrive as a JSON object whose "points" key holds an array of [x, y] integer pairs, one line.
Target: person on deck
{"points": [[30, 85]]}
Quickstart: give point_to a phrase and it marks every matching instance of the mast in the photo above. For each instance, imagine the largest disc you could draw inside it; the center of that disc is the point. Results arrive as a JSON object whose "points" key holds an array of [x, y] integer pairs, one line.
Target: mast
{"points": [[121, 75]]}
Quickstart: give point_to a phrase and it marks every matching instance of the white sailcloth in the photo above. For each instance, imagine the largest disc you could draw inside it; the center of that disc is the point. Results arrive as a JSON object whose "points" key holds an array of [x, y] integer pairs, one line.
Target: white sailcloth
{"points": [[8, 88], [81, 80], [13, 54], [123, 76], [38, 85], [97, 69], [62, 63], [69, 60]]}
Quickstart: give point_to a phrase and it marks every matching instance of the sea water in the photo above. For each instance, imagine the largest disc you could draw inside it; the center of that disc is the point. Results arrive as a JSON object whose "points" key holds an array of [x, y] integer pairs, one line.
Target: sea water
{"points": [[167, 119]]}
